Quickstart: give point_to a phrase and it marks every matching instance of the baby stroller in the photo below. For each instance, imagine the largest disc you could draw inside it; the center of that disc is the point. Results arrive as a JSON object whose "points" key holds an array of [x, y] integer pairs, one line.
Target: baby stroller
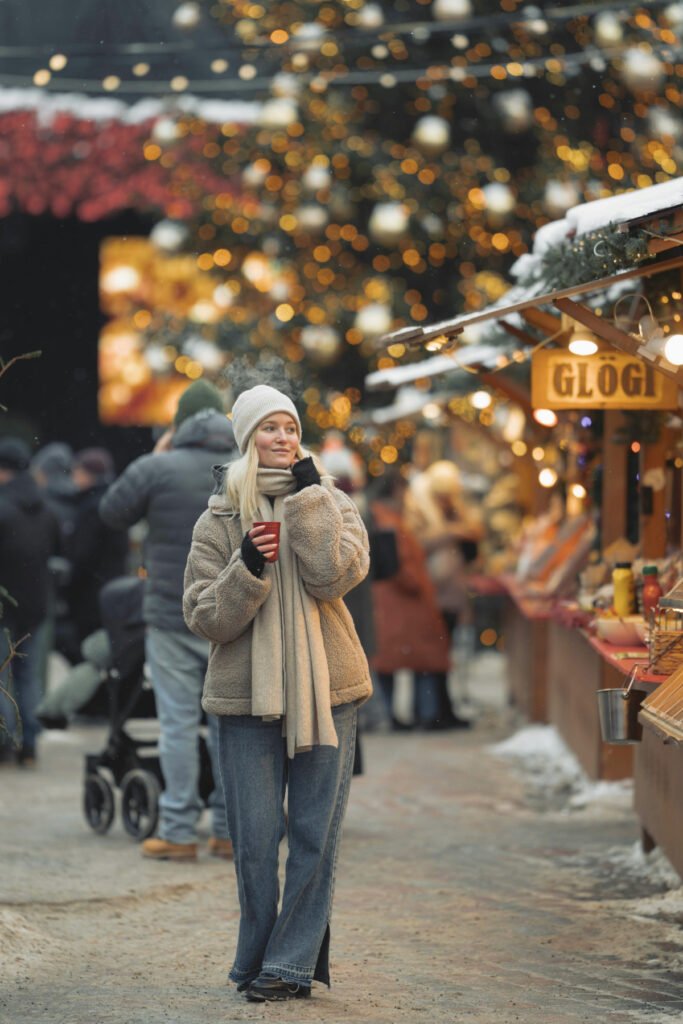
{"points": [[131, 764]]}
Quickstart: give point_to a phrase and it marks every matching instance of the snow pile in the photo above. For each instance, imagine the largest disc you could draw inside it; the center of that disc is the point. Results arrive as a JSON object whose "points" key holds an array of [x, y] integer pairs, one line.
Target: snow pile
{"points": [[553, 772], [632, 863], [667, 907]]}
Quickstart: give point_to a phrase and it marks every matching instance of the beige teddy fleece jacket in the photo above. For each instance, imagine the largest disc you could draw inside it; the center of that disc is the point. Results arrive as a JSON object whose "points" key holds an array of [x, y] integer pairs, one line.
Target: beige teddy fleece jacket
{"points": [[222, 597]]}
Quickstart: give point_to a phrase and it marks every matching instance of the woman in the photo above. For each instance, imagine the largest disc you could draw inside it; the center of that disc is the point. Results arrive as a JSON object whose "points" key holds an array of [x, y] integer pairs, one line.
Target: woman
{"points": [[411, 633], [449, 532], [286, 674]]}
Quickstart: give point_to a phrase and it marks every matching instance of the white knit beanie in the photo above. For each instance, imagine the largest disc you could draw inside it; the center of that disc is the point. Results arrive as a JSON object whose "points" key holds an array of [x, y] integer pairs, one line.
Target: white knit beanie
{"points": [[255, 405]]}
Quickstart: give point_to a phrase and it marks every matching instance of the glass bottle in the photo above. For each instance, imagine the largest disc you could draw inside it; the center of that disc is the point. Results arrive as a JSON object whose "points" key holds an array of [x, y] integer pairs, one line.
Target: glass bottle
{"points": [[624, 589], [652, 589]]}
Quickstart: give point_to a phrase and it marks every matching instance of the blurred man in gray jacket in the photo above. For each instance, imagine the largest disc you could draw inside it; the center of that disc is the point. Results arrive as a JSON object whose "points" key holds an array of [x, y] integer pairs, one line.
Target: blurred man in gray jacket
{"points": [[169, 488]]}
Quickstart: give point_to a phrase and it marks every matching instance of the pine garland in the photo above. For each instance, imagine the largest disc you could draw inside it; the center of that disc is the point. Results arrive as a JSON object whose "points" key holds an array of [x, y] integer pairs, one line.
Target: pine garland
{"points": [[592, 256]]}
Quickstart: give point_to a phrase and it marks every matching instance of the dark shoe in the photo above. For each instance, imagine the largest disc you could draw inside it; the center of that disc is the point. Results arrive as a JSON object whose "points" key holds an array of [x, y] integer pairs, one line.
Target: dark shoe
{"points": [[53, 721], [243, 986], [265, 990], [26, 757]]}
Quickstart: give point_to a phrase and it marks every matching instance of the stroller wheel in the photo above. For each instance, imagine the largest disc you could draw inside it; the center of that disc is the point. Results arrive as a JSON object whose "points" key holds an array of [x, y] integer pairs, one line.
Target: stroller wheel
{"points": [[140, 803], [98, 803]]}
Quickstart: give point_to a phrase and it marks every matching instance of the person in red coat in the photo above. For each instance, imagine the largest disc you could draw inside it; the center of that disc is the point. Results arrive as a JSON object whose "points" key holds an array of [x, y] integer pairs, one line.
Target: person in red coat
{"points": [[410, 630]]}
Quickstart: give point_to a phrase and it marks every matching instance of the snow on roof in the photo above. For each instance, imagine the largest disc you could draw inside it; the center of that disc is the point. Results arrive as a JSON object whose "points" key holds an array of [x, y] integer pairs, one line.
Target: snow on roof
{"points": [[624, 208], [469, 355], [89, 108], [586, 217], [581, 219]]}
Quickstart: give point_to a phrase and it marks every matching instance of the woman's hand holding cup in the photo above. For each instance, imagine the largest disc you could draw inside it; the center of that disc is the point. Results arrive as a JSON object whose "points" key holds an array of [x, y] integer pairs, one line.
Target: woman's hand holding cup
{"points": [[266, 539]]}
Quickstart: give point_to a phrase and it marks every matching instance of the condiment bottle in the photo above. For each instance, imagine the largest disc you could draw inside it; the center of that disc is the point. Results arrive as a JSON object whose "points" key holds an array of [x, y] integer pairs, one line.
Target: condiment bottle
{"points": [[652, 589], [624, 589]]}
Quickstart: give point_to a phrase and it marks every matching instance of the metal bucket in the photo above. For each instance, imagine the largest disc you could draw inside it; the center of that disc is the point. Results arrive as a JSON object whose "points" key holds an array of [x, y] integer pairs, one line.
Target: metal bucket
{"points": [[618, 710]]}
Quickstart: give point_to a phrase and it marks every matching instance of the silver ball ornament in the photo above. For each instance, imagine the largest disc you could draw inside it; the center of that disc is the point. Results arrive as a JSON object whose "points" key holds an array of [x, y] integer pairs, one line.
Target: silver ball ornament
{"points": [[187, 15], [388, 222], [451, 10], [432, 134]]}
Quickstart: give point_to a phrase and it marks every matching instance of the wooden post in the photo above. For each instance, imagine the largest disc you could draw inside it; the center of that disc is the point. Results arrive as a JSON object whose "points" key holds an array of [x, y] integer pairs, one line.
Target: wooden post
{"points": [[653, 502], [614, 481]]}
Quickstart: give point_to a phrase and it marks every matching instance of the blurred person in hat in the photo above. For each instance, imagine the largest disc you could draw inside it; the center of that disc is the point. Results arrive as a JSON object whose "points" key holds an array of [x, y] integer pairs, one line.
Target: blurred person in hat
{"points": [[169, 488], [29, 534], [51, 469], [95, 552], [271, 560], [449, 531]]}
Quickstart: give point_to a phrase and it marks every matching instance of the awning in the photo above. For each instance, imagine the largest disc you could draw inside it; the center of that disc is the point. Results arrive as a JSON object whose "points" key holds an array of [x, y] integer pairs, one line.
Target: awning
{"points": [[629, 208], [518, 299], [486, 356]]}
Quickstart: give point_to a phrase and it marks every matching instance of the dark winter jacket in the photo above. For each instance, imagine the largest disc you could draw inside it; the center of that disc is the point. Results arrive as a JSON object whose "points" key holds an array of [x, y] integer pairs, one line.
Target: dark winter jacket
{"points": [[29, 534], [97, 554], [170, 490]]}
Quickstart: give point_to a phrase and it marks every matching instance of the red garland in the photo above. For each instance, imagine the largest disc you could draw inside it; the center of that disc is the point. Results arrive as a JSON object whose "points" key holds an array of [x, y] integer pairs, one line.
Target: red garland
{"points": [[92, 169]]}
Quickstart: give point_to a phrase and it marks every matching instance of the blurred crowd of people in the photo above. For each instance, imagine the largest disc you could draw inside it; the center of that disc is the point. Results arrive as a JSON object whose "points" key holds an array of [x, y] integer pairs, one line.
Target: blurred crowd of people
{"points": [[55, 553], [64, 533]]}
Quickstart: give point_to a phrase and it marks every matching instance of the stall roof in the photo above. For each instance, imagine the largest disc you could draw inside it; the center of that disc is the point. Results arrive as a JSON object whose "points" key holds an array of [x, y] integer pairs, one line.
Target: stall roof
{"points": [[486, 356], [627, 208]]}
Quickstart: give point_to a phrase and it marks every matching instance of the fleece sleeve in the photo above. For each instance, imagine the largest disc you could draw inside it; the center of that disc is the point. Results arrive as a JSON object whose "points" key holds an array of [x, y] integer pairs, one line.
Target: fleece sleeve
{"points": [[330, 540], [221, 596]]}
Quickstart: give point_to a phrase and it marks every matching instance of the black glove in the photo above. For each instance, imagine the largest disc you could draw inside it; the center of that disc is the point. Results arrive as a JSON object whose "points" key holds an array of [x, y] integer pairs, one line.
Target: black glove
{"points": [[252, 557], [305, 473]]}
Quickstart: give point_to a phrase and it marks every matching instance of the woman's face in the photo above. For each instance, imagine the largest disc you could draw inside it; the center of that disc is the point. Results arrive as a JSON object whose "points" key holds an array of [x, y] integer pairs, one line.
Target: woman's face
{"points": [[276, 440]]}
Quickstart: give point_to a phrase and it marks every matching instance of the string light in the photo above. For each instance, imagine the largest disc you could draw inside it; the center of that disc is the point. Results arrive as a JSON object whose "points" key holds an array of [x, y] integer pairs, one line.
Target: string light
{"points": [[545, 417], [547, 477]]}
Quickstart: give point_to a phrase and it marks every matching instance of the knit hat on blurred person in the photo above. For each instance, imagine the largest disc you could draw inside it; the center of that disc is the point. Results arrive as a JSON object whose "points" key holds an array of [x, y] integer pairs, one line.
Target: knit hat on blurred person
{"points": [[14, 454], [253, 406], [53, 459], [198, 396], [96, 461]]}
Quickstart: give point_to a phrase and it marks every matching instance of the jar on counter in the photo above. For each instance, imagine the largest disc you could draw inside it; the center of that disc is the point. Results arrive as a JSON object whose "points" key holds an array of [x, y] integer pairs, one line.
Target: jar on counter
{"points": [[624, 589], [652, 589]]}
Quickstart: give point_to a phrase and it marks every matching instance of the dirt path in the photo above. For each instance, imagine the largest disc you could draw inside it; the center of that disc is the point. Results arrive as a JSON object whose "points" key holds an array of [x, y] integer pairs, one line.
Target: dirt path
{"points": [[459, 898]]}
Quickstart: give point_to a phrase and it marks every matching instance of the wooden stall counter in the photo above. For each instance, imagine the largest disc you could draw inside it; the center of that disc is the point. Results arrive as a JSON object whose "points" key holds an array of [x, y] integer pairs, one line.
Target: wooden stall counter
{"points": [[526, 644], [578, 666]]}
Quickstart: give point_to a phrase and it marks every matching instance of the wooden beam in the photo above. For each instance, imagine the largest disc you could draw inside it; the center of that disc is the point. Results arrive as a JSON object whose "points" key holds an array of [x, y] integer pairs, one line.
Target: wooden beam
{"points": [[652, 518], [614, 480], [518, 333], [661, 244], [599, 325], [515, 392], [543, 321]]}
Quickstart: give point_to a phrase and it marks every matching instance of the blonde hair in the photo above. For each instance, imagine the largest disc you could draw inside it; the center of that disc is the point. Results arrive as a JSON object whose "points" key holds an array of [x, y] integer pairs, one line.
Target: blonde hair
{"points": [[241, 487]]}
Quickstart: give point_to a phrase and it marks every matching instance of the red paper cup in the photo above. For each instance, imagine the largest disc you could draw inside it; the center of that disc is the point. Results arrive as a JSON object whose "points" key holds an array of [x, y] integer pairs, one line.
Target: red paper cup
{"points": [[273, 528]]}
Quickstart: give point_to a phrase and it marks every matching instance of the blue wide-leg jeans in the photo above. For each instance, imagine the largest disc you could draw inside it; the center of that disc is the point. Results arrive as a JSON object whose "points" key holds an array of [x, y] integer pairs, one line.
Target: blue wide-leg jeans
{"points": [[290, 941]]}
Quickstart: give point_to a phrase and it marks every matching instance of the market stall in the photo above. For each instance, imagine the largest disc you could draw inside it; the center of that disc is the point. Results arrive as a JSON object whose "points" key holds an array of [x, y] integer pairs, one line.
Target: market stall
{"points": [[594, 312]]}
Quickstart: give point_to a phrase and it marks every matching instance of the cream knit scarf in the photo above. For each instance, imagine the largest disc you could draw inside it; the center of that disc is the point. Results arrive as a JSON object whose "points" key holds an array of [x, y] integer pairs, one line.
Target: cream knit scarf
{"points": [[290, 678]]}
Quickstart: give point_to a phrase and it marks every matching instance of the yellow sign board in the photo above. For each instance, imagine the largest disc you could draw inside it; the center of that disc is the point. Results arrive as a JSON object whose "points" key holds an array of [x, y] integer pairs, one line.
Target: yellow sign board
{"points": [[606, 380]]}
